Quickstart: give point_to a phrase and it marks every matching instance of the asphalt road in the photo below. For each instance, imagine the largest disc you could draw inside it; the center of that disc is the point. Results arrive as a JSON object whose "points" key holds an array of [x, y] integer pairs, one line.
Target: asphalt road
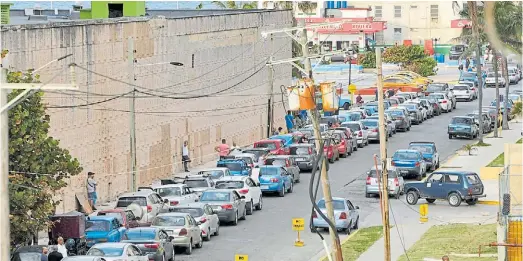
{"points": [[267, 235]]}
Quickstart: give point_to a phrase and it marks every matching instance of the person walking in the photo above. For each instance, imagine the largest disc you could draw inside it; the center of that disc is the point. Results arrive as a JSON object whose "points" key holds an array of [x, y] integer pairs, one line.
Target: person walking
{"points": [[45, 251], [54, 255], [185, 156], [376, 93], [467, 64], [61, 246], [391, 92], [289, 121], [91, 189], [222, 149], [460, 68], [359, 100]]}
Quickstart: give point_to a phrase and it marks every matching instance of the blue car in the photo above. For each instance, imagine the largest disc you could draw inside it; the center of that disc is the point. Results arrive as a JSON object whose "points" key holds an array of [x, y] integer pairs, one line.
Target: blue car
{"points": [[287, 139], [237, 167], [464, 126], [101, 229], [373, 106], [454, 186], [429, 151], [346, 215], [409, 163], [469, 76], [275, 179]]}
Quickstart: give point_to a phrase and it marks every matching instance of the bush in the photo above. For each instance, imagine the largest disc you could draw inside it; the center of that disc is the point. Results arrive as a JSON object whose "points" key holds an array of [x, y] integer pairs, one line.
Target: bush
{"points": [[424, 67], [367, 60], [403, 54]]}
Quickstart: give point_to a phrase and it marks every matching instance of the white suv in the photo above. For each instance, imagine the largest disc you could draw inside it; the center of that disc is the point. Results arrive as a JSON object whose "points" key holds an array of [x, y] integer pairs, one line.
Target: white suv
{"points": [[144, 204], [177, 194], [245, 186]]}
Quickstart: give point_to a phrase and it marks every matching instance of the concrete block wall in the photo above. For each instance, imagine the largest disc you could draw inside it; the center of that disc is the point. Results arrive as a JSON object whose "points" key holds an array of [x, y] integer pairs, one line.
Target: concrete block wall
{"points": [[219, 54]]}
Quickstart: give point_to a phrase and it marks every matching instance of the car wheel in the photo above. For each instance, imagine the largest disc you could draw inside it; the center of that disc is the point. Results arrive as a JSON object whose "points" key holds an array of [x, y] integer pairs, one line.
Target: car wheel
{"points": [[356, 147], [260, 204], [450, 136], [348, 229], [412, 197], [250, 210], [361, 145], [200, 245], [454, 199], [356, 225], [281, 193], [472, 202], [244, 214], [408, 128], [291, 188], [344, 155], [188, 250], [367, 142], [208, 237], [430, 200], [367, 195], [235, 221], [418, 178]]}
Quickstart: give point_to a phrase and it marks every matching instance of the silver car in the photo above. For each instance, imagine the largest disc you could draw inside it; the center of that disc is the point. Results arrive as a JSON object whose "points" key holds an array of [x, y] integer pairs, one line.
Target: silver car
{"points": [[144, 204], [304, 154], [288, 162], [227, 203], [117, 252], [177, 194], [360, 130], [182, 227], [395, 185], [203, 213], [400, 118], [391, 125], [373, 130], [83, 258]]}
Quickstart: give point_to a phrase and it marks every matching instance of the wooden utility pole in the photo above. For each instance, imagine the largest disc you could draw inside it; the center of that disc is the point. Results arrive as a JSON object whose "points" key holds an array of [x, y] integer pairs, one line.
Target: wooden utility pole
{"points": [[313, 114], [496, 81], [473, 11], [383, 157]]}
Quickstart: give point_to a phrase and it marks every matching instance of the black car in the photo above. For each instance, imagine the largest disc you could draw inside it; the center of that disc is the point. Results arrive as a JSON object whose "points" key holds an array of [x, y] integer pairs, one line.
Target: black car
{"points": [[153, 241], [304, 154]]}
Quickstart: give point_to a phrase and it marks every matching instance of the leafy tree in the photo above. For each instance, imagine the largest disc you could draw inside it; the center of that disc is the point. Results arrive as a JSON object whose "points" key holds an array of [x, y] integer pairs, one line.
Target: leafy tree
{"points": [[411, 58], [403, 54], [32, 151], [367, 60], [199, 6], [307, 6], [235, 5], [424, 67]]}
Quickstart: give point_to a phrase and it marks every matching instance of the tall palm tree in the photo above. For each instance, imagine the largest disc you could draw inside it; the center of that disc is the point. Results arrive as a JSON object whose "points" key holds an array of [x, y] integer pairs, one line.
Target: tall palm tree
{"points": [[473, 11], [235, 5]]}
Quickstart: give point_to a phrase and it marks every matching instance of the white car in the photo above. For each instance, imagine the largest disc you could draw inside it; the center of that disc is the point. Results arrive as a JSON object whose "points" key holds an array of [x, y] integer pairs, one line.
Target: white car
{"points": [[472, 87], [245, 186], [205, 215], [144, 204], [117, 252], [184, 229], [215, 173], [424, 111], [360, 131], [463, 92], [513, 75], [177, 194], [323, 127], [490, 81], [199, 183], [443, 100]]}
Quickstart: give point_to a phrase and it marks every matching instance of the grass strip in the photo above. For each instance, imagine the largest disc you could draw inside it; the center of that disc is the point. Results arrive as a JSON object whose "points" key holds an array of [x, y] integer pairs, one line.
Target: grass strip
{"points": [[359, 243], [520, 141], [454, 239], [499, 161]]}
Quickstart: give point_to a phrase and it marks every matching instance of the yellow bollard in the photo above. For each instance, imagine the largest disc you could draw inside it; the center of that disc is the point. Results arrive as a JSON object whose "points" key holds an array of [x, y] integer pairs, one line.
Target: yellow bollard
{"points": [[423, 212]]}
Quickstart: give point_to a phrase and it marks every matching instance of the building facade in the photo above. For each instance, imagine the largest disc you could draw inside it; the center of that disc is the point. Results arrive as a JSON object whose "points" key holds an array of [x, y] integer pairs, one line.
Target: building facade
{"points": [[219, 92]]}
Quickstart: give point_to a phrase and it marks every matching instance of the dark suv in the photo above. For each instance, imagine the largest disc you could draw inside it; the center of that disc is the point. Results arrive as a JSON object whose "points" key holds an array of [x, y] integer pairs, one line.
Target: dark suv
{"points": [[454, 186]]}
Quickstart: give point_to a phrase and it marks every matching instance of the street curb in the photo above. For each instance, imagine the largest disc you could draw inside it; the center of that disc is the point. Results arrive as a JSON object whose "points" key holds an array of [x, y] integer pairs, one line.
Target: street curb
{"points": [[342, 242], [489, 202]]}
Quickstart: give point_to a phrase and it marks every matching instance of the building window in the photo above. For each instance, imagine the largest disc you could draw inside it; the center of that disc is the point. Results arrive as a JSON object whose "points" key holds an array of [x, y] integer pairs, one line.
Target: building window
{"points": [[115, 10], [413, 6], [397, 35], [397, 30], [434, 13], [397, 11], [378, 12]]}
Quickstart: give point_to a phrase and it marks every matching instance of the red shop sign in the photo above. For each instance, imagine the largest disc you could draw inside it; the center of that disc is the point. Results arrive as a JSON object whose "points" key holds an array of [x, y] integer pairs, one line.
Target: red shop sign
{"points": [[347, 25], [460, 23]]}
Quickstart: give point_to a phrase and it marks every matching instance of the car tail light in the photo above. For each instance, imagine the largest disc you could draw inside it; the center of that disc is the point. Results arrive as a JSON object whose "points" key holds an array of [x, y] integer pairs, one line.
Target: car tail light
{"points": [[149, 208], [275, 180], [183, 232], [310, 151], [155, 246], [243, 191], [470, 191], [227, 206], [314, 215], [343, 215], [392, 163], [368, 180], [417, 164], [360, 134], [444, 101], [174, 203], [396, 182], [203, 220], [375, 130]]}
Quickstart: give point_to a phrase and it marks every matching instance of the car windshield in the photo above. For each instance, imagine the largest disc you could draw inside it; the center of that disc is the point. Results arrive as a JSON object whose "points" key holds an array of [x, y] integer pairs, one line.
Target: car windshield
{"points": [[299, 150], [195, 212], [405, 156], [492, 75], [97, 225], [168, 221], [370, 123], [232, 166], [246, 159], [286, 138], [338, 204], [410, 107], [169, 192], [473, 179], [126, 201], [422, 148], [215, 196], [457, 48], [267, 145], [138, 234], [351, 126], [276, 162], [269, 171], [229, 184], [461, 88], [354, 116], [468, 75], [391, 173], [465, 121], [29, 256], [437, 96], [196, 183], [105, 251], [435, 88], [117, 215], [214, 174]]}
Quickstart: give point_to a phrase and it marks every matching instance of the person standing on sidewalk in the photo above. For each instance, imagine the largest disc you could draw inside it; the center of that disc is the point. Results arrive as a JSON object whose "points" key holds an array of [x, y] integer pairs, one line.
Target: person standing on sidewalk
{"points": [[91, 189], [222, 149], [45, 251], [289, 121], [61, 246], [467, 64], [185, 156]]}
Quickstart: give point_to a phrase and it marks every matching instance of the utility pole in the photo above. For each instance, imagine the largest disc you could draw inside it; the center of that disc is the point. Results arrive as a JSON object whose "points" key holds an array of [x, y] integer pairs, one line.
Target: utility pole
{"points": [[473, 9], [132, 120], [5, 105], [496, 80], [270, 113], [383, 156], [505, 99], [313, 114]]}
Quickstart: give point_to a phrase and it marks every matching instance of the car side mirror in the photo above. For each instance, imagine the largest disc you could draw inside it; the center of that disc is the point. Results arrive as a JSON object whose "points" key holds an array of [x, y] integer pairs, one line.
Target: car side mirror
{"points": [[257, 184], [242, 197], [357, 207], [166, 201]]}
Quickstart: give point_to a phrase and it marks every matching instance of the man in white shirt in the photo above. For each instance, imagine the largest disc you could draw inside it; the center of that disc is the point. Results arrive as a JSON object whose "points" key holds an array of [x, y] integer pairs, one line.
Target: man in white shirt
{"points": [[185, 156], [61, 246], [91, 189]]}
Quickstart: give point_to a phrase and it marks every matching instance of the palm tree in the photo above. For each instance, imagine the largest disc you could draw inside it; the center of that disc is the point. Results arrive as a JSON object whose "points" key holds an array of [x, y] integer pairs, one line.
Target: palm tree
{"points": [[199, 6], [235, 5]]}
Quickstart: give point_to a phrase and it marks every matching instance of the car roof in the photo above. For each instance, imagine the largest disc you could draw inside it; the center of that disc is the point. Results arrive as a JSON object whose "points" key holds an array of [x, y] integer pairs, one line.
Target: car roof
{"points": [[407, 151], [269, 167], [216, 168], [143, 193], [301, 145], [114, 210], [278, 156], [351, 122], [111, 245], [466, 117], [196, 177], [174, 214], [191, 205], [219, 190], [102, 218], [457, 172], [232, 160], [170, 186], [423, 142], [233, 178], [250, 155], [144, 229]]}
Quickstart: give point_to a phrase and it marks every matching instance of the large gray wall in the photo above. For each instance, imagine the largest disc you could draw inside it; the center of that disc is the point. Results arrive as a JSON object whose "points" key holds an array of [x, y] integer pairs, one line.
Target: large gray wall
{"points": [[226, 49]]}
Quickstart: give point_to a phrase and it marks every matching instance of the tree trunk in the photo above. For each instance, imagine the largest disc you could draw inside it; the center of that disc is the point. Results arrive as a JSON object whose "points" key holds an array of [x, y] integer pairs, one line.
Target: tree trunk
{"points": [[473, 9], [505, 99], [496, 120]]}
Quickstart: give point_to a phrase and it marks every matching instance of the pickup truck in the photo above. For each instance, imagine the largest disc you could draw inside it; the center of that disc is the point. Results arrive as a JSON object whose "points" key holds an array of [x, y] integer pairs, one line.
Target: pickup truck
{"points": [[429, 151], [100, 229], [454, 186]]}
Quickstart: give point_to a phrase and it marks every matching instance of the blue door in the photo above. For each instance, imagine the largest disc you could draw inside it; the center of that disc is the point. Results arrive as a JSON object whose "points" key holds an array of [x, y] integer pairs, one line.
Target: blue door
{"points": [[434, 186]]}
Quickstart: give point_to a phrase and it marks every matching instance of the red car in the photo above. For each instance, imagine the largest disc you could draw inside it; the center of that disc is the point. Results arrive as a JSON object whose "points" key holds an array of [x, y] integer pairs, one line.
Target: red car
{"points": [[126, 217], [275, 146], [331, 151], [344, 144]]}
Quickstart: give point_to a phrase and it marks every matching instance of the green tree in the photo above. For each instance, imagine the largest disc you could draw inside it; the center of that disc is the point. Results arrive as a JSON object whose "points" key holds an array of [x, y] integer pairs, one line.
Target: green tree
{"points": [[32, 151], [307, 6], [235, 5], [367, 60], [199, 6]]}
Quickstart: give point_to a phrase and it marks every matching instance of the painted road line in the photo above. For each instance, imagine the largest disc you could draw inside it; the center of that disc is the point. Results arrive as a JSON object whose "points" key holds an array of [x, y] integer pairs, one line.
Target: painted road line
{"points": [[489, 202]]}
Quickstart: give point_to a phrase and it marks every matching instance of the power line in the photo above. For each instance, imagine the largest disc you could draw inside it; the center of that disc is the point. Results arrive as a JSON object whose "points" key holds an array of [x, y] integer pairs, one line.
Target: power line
{"points": [[89, 104]]}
